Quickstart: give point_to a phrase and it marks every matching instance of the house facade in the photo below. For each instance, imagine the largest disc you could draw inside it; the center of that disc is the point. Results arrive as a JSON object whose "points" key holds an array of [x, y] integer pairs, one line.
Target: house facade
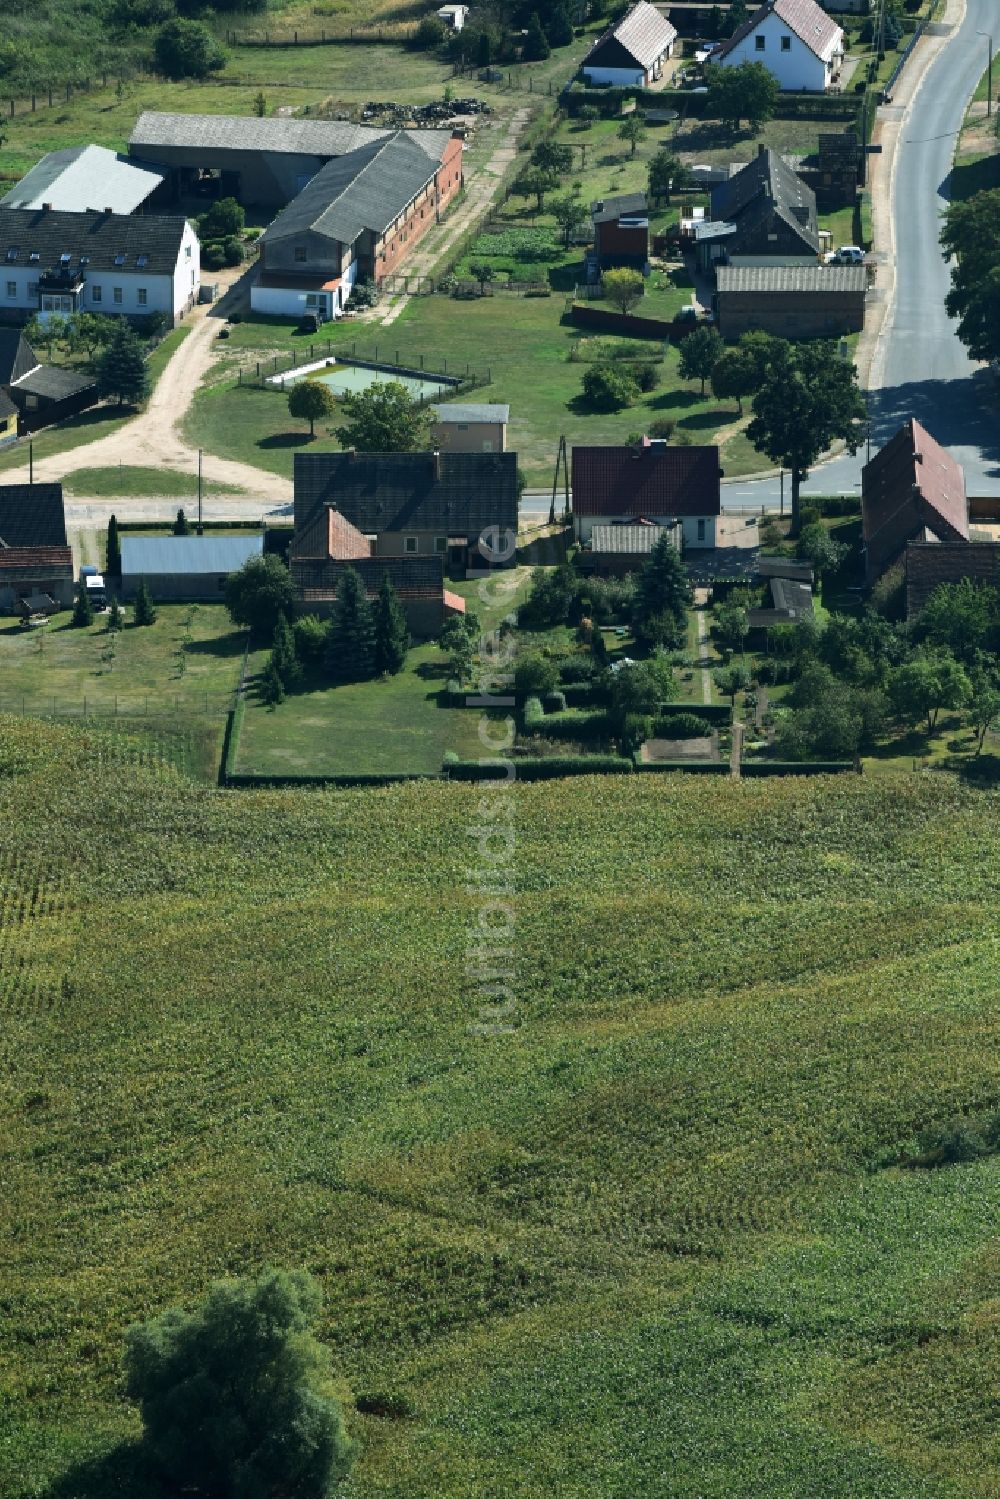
{"points": [[814, 301], [469, 427], [124, 265], [912, 490], [633, 52], [796, 41], [647, 483], [621, 231], [36, 562], [357, 219], [765, 209]]}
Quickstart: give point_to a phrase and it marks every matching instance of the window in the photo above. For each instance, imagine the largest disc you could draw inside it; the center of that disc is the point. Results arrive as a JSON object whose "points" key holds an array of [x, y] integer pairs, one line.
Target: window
{"points": [[142, 261], [141, 296], [65, 258], [487, 445], [187, 252], [300, 252], [701, 530], [120, 258], [760, 42], [32, 288], [410, 544], [440, 543], [34, 256], [462, 426], [95, 293], [312, 299], [12, 288], [786, 44], [116, 295], [11, 254]]}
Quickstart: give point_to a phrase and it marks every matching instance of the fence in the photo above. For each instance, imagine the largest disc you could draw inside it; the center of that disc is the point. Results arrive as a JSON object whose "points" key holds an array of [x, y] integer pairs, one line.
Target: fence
{"points": [[358, 35], [120, 705], [890, 82], [382, 356]]}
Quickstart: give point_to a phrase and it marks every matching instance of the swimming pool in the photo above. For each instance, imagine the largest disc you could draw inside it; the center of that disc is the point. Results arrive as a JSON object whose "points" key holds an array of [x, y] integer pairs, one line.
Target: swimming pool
{"points": [[341, 378]]}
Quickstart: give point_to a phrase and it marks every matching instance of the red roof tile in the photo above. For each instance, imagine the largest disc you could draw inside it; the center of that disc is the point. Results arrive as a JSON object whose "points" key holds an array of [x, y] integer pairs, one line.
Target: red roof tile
{"points": [[35, 557], [648, 481], [910, 487]]}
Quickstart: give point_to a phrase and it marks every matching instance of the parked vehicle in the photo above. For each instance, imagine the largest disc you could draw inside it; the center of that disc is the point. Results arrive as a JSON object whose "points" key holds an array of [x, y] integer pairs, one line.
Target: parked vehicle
{"points": [[93, 583]]}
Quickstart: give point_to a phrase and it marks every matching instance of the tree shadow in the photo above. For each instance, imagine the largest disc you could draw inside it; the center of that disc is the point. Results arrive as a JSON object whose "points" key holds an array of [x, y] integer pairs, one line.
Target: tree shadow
{"points": [[671, 399], [566, 277], [285, 440], [122, 1473], [432, 671], [699, 420], [225, 646]]}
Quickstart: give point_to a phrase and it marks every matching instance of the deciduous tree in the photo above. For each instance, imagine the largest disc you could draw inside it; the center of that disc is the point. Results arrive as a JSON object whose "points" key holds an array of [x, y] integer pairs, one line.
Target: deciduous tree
{"points": [[746, 92], [734, 375], [632, 130], [385, 418], [699, 352], [187, 49], [259, 594], [459, 639], [623, 286], [929, 681], [310, 401], [235, 1395]]}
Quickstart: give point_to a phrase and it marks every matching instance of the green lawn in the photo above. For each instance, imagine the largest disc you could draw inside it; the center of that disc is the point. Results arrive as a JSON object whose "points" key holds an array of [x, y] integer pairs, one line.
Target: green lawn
{"points": [[526, 342], [391, 725], [122, 479], [652, 1241]]}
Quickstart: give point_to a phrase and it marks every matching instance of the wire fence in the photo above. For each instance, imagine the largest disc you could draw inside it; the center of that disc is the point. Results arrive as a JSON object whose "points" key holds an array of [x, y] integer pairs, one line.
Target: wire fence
{"points": [[119, 705], [382, 357]]}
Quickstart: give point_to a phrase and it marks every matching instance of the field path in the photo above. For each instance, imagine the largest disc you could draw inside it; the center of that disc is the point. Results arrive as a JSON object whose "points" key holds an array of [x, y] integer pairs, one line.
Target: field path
{"points": [[479, 194], [153, 439], [701, 604]]}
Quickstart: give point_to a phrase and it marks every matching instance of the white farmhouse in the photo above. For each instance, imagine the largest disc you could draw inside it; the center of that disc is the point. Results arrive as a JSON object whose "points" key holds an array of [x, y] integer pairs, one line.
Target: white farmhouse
{"points": [[795, 40], [632, 53], [124, 264]]}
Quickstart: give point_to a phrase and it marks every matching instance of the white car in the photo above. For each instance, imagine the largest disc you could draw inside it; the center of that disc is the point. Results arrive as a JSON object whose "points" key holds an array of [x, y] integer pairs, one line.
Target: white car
{"points": [[850, 255]]}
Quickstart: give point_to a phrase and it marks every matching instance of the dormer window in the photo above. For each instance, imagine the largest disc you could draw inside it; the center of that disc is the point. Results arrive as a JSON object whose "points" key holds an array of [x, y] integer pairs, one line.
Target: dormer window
{"points": [[142, 261], [34, 256], [65, 259], [12, 254], [120, 259]]}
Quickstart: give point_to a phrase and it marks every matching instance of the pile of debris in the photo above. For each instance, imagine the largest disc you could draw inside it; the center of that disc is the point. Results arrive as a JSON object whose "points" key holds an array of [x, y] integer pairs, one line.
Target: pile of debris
{"points": [[387, 112]]}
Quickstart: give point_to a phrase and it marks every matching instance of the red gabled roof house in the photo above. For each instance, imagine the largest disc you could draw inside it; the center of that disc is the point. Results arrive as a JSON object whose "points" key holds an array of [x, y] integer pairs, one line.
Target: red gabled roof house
{"points": [[912, 490], [648, 482]]}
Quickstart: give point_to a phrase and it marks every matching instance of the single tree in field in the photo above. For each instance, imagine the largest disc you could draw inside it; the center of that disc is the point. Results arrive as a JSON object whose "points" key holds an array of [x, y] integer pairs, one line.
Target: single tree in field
{"points": [[310, 401], [181, 525], [350, 654], [235, 1395], [747, 92], [259, 594], [114, 567], [550, 156], [623, 287], [459, 639], [984, 704], [663, 596], [121, 369], [83, 609], [570, 213], [734, 376], [385, 418], [481, 271], [809, 399], [667, 174], [731, 680], [929, 681], [284, 654], [260, 104], [632, 130], [143, 608], [699, 352], [535, 182], [392, 636]]}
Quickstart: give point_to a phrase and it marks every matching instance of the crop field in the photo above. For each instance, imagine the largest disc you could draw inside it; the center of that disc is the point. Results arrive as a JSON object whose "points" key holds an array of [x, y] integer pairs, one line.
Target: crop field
{"points": [[653, 1238]]}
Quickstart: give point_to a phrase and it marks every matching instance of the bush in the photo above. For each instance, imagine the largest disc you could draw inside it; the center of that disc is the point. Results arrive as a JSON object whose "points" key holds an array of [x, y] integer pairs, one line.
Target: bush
{"points": [[534, 676], [554, 702], [187, 49], [232, 252], [647, 376], [663, 426], [573, 723], [213, 258], [609, 387], [681, 726], [577, 669], [429, 34], [311, 638]]}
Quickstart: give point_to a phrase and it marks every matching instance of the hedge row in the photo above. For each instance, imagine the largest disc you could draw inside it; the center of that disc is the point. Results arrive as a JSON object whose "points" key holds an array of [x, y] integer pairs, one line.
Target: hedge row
{"points": [[231, 741], [690, 105], [539, 769]]}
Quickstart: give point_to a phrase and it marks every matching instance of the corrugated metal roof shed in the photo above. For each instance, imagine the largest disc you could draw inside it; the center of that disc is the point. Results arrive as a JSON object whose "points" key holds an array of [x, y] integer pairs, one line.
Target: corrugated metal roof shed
{"points": [[463, 411], [150, 556], [274, 134], [82, 177], [789, 278], [629, 540]]}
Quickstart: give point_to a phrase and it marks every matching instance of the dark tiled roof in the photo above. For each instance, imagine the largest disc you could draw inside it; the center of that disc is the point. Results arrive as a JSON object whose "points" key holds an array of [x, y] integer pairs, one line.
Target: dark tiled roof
{"points": [[412, 577], [366, 189], [643, 32], [33, 557], [457, 493], [903, 494], [646, 481], [31, 515], [17, 356], [52, 383], [784, 567], [7, 407], [768, 187], [625, 205], [929, 564], [100, 236]]}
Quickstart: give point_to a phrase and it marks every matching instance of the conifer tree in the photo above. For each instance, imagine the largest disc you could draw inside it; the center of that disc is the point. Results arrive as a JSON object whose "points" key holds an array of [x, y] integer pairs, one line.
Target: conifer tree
{"points": [[83, 609], [272, 688], [392, 637], [284, 655], [144, 610], [121, 369], [536, 46], [115, 617], [351, 652], [181, 525], [114, 567]]}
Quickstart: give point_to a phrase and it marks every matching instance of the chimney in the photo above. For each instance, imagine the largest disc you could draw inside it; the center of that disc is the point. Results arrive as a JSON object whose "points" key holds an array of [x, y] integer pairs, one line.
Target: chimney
{"points": [[918, 457], [109, 211], [46, 207], [437, 466]]}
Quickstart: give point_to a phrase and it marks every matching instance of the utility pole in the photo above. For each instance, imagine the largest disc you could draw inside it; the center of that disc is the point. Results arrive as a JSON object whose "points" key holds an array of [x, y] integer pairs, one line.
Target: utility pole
{"points": [[201, 529]]}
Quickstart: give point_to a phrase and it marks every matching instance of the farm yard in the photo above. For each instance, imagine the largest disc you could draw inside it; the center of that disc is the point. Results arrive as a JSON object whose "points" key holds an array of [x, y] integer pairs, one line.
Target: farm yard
{"points": [[700, 1178]]}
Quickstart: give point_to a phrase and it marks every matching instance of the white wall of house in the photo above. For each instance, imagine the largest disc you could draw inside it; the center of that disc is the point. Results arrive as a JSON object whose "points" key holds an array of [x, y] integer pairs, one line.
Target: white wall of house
{"points": [[784, 54], [128, 291], [698, 530], [615, 77], [187, 272], [289, 301]]}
